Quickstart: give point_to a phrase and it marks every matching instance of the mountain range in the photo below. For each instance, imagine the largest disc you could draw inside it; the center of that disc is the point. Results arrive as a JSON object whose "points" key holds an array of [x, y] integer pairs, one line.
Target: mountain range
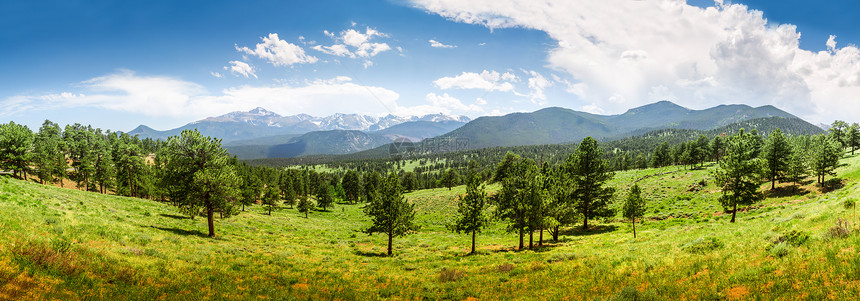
{"points": [[260, 122], [260, 133], [559, 125]]}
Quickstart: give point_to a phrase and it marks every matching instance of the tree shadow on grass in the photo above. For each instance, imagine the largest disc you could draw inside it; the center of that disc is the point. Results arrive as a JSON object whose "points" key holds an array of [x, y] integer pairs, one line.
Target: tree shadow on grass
{"points": [[785, 191], [832, 184], [174, 216], [369, 254], [182, 232], [578, 231]]}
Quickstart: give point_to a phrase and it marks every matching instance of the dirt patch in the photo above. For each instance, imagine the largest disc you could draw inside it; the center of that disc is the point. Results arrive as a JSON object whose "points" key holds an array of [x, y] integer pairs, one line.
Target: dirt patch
{"points": [[737, 293]]}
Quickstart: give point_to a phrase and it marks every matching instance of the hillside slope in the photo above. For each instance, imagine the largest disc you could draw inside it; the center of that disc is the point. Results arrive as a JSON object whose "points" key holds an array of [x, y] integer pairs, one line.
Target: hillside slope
{"points": [[66, 244]]}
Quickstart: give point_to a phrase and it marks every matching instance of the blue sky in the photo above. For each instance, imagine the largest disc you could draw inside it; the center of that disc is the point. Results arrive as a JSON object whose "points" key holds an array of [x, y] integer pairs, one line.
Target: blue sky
{"points": [[165, 63]]}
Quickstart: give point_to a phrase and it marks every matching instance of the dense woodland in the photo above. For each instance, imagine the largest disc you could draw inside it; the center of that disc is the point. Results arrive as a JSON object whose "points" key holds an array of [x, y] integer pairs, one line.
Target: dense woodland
{"points": [[543, 187]]}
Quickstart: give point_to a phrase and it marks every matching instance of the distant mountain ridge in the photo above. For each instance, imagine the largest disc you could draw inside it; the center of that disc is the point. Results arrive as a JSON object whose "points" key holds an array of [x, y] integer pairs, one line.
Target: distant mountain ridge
{"points": [[556, 125], [260, 122]]}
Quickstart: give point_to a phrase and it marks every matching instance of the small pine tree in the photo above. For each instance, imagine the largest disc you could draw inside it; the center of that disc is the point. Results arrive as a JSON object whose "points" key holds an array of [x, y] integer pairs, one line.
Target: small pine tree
{"points": [[826, 152], [797, 166], [271, 198], [470, 210], [634, 206], [776, 154], [739, 173], [389, 211], [325, 197], [450, 178], [305, 205]]}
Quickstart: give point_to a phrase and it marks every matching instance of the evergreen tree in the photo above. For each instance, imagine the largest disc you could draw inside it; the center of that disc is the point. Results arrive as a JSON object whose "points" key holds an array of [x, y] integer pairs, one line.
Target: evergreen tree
{"points": [[825, 155], [250, 189], [739, 173], [351, 183], [48, 155], [372, 182], [129, 166], [450, 179], [590, 174], [561, 207], [634, 206], [797, 165], [271, 198], [512, 202], [325, 196], [838, 132], [703, 149], [852, 137], [410, 182], [503, 168], [305, 205], [717, 146], [470, 210], [198, 174], [286, 186], [16, 144], [104, 173], [662, 155], [389, 211], [776, 153]]}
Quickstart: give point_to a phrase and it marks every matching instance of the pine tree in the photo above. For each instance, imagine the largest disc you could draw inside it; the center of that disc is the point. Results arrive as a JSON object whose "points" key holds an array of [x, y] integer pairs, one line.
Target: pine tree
{"points": [[198, 174], [512, 202], [305, 205], [325, 196], [470, 210], [16, 144], [739, 173], [372, 182], [797, 165], [271, 198], [776, 153], [450, 178], [48, 155], [852, 137], [717, 146], [590, 174], [634, 206], [825, 155], [389, 211], [351, 183]]}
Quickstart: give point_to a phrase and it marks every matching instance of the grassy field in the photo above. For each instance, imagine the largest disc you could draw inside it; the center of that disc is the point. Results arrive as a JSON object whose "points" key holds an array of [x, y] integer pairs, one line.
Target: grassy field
{"points": [[71, 245]]}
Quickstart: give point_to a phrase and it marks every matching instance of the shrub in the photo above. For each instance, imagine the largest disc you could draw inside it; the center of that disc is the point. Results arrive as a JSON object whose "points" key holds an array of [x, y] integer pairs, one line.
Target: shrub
{"points": [[779, 250], [446, 275], [841, 230], [505, 267], [702, 245], [848, 204], [794, 237]]}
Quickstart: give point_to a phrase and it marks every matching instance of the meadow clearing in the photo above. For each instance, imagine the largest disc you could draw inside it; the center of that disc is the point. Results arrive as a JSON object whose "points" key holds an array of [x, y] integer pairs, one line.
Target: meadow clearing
{"points": [[72, 245]]}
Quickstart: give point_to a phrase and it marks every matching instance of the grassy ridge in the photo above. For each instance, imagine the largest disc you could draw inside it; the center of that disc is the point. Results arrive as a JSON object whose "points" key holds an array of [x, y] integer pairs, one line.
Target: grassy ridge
{"points": [[65, 244]]}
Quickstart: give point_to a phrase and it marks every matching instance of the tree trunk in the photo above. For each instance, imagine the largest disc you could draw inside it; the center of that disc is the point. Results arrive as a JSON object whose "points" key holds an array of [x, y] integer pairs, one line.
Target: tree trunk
{"points": [[555, 234], [521, 239], [209, 213], [531, 238], [473, 241], [540, 240], [585, 222], [389, 243], [772, 182], [734, 212], [634, 228]]}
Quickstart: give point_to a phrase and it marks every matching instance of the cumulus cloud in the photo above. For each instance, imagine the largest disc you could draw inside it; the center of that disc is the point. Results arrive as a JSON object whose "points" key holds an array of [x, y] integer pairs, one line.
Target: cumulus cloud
{"points": [[160, 96], [537, 84], [352, 43], [622, 53], [216, 74], [241, 68], [437, 44], [279, 52], [486, 80]]}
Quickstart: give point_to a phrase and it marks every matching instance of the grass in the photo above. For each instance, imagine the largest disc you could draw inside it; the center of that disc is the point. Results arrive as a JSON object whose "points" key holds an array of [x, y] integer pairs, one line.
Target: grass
{"points": [[72, 245]]}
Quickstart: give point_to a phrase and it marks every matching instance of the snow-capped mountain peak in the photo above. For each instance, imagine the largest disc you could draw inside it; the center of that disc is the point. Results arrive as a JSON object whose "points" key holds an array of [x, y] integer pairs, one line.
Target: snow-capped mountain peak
{"points": [[339, 121]]}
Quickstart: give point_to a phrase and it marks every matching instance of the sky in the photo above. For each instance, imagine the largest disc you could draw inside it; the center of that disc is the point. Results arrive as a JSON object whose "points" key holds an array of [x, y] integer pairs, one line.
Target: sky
{"points": [[118, 64]]}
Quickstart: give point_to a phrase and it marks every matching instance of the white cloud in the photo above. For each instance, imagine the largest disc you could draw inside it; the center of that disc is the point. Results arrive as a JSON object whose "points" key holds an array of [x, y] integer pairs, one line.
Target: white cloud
{"points": [[367, 64], [216, 74], [160, 96], [241, 68], [622, 53], [537, 83], [279, 52], [437, 44], [486, 80], [353, 44]]}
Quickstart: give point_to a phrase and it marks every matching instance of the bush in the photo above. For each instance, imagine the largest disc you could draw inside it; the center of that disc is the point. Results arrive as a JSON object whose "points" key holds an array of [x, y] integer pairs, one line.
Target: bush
{"points": [[779, 250], [794, 237], [841, 230], [447, 275], [702, 245], [848, 204]]}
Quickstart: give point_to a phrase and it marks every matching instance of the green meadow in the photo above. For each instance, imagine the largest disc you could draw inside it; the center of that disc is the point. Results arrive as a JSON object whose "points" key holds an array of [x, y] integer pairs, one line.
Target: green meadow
{"points": [[801, 243]]}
